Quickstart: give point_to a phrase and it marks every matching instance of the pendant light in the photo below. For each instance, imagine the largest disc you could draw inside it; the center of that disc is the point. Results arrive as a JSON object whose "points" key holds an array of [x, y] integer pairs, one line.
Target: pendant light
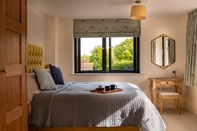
{"points": [[138, 12]]}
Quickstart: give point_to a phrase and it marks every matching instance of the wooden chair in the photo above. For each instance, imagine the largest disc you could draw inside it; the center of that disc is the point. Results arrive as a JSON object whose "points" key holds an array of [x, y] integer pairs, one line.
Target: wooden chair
{"points": [[176, 96]]}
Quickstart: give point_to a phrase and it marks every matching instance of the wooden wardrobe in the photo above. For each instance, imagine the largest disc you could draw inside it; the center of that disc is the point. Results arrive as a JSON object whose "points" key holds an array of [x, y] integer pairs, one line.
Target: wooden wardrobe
{"points": [[13, 92]]}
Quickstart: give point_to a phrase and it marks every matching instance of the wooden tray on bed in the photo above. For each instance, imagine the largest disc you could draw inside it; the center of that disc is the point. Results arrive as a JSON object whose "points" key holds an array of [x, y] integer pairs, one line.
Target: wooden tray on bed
{"points": [[106, 92]]}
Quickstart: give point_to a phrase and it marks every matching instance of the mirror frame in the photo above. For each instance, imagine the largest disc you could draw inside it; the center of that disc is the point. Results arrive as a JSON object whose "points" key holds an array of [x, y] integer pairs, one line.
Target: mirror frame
{"points": [[162, 42]]}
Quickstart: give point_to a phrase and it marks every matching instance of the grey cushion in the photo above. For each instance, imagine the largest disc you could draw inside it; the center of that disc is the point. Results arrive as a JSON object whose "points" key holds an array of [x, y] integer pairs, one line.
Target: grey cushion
{"points": [[56, 74], [44, 79]]}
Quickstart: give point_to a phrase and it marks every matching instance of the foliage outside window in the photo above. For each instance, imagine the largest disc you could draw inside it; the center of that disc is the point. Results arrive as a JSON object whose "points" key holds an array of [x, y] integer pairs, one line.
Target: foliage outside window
{"points": [[107, 55]]}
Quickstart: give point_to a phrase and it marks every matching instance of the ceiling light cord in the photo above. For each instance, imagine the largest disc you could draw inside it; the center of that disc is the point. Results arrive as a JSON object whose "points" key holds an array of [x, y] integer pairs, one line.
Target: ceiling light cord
{"points": [[138, 1]]}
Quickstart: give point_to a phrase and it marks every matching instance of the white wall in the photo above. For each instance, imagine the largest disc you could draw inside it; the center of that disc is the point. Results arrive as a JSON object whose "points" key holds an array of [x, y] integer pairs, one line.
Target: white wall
{"points": [[51, 26], [175, 27], [60, 36], [64, 49], [191, 99], [35, 27]]}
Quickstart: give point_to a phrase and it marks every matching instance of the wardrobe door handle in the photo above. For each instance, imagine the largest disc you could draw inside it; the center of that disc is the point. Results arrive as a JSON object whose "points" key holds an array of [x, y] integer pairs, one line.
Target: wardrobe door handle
{"points": [[4, 71]]}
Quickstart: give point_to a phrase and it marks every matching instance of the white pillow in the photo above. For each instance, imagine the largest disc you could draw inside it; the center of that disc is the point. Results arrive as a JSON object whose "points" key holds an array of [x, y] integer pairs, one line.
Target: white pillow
{"points": [[44, 80], [33, 87]]}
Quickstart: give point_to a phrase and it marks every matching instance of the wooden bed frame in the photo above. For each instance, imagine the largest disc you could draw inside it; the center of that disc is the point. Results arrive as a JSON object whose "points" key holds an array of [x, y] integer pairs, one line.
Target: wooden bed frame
{"points": [[83, 128], [35, 59]]}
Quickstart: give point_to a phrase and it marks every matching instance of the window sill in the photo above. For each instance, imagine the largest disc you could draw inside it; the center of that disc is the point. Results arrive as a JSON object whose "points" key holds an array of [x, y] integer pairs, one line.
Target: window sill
{"points": [[107, 74]]}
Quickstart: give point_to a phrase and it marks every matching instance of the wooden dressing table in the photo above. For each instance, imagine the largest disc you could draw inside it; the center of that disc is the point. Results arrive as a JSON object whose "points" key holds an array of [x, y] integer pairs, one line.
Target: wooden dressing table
{"points": [[163, 82]]}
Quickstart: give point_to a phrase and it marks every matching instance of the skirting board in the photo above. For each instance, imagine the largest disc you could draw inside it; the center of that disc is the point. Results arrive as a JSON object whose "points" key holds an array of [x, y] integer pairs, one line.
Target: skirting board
{"points": [[190, 108]]}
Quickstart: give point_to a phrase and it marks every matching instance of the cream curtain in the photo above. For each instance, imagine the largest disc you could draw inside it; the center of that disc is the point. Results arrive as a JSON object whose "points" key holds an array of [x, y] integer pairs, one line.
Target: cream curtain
{"points": [[106, 28], [190, 78]]}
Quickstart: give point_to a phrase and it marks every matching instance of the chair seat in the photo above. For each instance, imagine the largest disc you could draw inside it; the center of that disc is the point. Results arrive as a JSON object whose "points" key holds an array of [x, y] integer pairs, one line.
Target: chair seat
{"points": [[168, 94]]}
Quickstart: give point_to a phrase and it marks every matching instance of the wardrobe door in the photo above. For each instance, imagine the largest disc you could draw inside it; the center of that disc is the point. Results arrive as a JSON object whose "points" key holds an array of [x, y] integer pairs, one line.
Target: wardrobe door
{"points": [[13, 92]]}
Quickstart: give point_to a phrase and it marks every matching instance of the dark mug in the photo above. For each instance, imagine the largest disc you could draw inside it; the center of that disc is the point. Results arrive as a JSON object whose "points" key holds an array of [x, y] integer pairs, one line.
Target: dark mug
{"points": [[107, 88], [113, 87]]}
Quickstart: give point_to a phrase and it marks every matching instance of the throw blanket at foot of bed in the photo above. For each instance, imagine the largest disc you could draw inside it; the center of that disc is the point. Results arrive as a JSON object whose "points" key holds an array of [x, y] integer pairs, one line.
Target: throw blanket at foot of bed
{"points": [[74, 105]]}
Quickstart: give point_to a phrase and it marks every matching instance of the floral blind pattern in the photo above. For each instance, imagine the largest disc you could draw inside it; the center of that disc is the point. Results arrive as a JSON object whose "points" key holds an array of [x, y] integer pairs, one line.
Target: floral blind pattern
{"points": [[190, 77], [106, 28]]}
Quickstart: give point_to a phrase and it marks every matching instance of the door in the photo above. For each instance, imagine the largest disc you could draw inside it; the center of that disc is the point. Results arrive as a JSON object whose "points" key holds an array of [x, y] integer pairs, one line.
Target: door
{"points": [[13, 96]]}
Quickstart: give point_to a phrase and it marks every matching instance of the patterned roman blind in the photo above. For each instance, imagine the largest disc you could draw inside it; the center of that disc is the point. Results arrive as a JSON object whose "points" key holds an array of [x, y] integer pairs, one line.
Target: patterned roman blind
{"points": [[106, 28]]}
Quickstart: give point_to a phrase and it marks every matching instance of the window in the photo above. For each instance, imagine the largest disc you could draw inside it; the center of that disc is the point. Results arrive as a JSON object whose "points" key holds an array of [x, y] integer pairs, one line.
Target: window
{"points": [[107, 55]]}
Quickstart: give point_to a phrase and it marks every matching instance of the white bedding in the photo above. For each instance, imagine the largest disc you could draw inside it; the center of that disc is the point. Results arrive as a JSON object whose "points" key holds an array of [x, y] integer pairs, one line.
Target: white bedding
{"points": [[33, 88]]}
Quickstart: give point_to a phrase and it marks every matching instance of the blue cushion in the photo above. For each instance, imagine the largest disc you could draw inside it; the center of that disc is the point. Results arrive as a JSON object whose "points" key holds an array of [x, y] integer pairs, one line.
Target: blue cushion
{"points": [[56, 74]]}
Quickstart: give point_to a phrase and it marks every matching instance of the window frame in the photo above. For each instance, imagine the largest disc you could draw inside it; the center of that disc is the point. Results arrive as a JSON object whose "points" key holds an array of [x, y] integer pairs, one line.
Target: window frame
{"points": [[77, 52]]}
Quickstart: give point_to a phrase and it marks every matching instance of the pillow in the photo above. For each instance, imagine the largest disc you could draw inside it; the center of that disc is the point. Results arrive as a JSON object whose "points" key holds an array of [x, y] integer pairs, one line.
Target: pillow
{"points": [[33, 87], [56, 74], [44, 79]]}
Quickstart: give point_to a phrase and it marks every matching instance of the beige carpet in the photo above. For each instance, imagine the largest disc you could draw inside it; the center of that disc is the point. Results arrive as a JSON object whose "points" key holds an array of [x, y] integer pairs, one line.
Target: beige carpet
{"points": [[175, 122]]}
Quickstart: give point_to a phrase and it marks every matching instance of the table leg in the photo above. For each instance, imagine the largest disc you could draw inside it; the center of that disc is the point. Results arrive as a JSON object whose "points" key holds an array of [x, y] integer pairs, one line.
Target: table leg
{"points": [[154, 91], [151, 91]]}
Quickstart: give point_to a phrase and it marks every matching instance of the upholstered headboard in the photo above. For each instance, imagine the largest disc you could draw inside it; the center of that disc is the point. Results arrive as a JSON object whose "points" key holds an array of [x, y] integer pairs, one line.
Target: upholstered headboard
{"points": [[34, 57]]}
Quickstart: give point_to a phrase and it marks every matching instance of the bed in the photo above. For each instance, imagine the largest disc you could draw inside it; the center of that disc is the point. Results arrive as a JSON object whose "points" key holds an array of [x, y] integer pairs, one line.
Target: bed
{"points": [[71, 106]]}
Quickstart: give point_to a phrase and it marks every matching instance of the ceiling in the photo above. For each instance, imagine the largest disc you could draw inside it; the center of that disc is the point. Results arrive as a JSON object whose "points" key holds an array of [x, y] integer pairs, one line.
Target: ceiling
{"points": [[93, 9]]}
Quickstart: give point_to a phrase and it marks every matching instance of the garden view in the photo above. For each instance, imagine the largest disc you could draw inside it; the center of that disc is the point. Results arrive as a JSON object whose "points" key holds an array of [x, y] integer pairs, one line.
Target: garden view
{"points": [[121, 57]]}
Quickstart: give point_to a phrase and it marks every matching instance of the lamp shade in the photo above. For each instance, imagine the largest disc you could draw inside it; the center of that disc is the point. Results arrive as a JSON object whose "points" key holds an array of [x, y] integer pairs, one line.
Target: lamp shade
{"points": [[138, 12]]}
